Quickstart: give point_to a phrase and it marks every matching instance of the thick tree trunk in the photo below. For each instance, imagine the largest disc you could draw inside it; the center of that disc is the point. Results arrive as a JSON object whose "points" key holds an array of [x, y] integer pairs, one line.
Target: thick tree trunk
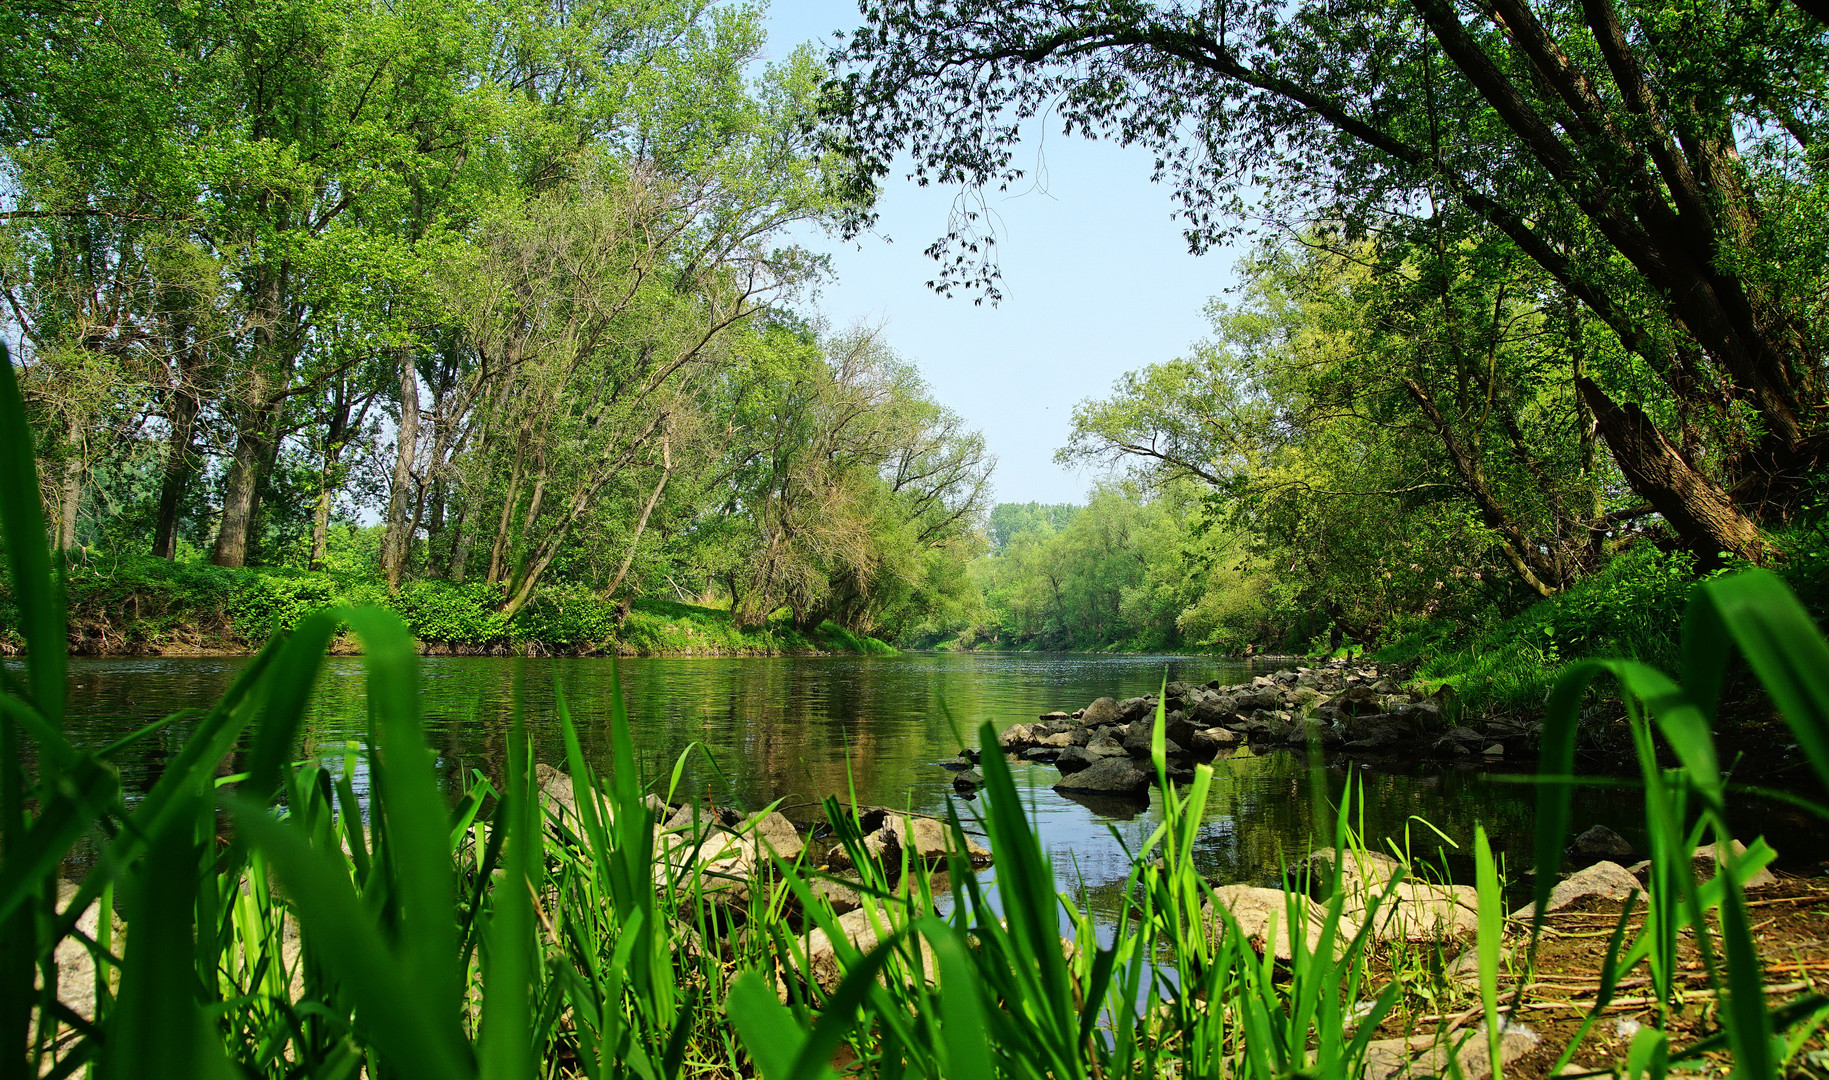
{"points": [[180, 465], [397, 543], [1695, 506], [238, 497]]}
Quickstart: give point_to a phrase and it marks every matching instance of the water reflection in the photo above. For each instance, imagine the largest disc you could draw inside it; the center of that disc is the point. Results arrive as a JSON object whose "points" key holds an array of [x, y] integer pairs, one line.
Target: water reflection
{"points": [[799, 729]]}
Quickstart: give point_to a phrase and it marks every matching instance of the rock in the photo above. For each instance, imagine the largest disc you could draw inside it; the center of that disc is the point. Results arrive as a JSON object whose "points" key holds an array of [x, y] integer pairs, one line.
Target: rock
{"points": [[1074, 759], [1600, 842], [924, 839], [958, 764], [1060, 740], [1413, 910], [1263, 916], [969, 780], [1494, 751], [860, 929], [1704, 865], [1386, 686], [1212, 742], [1103, 745], [1427, 1056], [1213, 710], [1357, 701], [774, 833], [560, 800], [1131, 710], [1180, 729], [1376, 731], [1015, 737], [76, 965], [1055, 718], [1102, 711], [1042, 754], [841, 896], [1107, 776], [1303, 696], [1258, 699], [1606, 879]]}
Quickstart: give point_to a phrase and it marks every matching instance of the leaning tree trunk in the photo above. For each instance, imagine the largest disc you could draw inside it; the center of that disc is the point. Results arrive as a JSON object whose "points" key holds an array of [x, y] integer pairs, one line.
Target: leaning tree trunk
{"points": [[1695, 506]]}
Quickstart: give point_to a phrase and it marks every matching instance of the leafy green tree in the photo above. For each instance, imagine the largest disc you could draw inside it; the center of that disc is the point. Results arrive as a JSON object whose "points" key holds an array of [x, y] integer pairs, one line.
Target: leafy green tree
{"points": [[1657, 164]]}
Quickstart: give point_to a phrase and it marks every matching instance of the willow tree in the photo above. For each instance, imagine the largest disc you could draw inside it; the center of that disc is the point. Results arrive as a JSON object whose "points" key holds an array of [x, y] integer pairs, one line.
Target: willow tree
{"points": [[1658, 163]]}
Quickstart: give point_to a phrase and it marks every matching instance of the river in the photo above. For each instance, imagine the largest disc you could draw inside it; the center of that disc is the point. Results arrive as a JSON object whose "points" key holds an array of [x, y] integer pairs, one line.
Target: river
{"points": [[799, 728]]}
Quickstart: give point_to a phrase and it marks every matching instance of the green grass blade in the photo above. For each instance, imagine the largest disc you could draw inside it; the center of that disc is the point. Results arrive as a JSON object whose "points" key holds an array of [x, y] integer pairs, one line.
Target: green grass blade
{"points": [[416, 817], [415, 1034], [1492, 925], [157, 1029], [504, 1051], [36, 589]]}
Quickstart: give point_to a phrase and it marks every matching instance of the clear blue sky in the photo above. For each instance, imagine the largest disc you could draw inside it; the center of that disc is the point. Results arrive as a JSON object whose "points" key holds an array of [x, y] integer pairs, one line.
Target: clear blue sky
{"points": [[1097, 281]]}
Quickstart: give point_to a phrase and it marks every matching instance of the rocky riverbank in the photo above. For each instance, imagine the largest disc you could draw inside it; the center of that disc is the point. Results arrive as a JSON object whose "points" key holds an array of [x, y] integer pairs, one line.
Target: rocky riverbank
{"points": [[1104, 748]]}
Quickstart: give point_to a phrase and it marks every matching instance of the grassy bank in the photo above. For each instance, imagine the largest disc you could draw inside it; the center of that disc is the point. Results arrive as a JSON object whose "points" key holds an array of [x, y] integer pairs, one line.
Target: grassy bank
{"points": [[1633, 609], [138, 605]]}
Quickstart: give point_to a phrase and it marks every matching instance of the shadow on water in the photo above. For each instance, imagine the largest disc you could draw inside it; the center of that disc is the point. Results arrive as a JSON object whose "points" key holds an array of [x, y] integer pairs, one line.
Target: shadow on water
{"points": [[798, 729]]}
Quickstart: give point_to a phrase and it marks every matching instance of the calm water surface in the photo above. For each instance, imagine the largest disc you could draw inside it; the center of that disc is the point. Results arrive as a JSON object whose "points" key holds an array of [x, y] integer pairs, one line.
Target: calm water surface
{"points": [[801, 728]]}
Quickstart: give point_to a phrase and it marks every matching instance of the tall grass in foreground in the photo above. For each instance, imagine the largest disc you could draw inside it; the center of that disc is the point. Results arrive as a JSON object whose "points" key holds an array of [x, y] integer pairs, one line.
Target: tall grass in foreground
{"points": [[270, 925]]}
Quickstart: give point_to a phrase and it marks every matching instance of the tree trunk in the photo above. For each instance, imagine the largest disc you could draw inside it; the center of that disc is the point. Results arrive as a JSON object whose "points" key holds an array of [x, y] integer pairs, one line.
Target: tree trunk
{"points": [[397, 543], [1694, 505], [238, 498], [641, 525], [70, 487], [180, 464], [1523, 556]]}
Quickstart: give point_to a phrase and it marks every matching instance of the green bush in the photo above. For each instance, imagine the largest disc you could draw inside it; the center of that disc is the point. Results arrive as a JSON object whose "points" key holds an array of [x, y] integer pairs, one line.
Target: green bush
{"points": [[446, 612]]}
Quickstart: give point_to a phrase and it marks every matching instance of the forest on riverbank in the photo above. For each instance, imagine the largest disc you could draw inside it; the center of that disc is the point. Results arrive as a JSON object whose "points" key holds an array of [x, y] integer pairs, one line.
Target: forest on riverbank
{"points": [[494, 313]]}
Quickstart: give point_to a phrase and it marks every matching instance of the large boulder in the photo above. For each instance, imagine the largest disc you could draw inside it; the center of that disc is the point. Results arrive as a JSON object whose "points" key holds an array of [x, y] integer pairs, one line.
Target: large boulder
{"points": [[773, 834], [860, 928], [1263, 917], [1074, 759], [1410, 910], [1102, 711], [1212, 742], [1131, 710], [1608, 880], [923, 838], [1705, 862], [1104, 745], [1108, 776]]}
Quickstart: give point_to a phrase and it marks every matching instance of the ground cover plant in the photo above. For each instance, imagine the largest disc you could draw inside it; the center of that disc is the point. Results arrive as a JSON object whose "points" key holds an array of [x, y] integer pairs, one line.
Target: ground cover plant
{"points": [[283, 921]]}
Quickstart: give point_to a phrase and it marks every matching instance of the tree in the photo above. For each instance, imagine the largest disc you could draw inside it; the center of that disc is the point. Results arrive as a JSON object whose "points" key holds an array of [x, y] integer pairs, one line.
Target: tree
{"points": [[1655, 163]]}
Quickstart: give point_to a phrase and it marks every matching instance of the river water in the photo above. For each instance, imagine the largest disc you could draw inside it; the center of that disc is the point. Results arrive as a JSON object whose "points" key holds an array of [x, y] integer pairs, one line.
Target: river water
{"points": [[800, 728]]}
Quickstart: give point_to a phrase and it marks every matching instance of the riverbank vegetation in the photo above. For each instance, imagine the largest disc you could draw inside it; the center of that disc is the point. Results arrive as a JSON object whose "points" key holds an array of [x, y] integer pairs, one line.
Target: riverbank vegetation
{"points": [[521, 285]]}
